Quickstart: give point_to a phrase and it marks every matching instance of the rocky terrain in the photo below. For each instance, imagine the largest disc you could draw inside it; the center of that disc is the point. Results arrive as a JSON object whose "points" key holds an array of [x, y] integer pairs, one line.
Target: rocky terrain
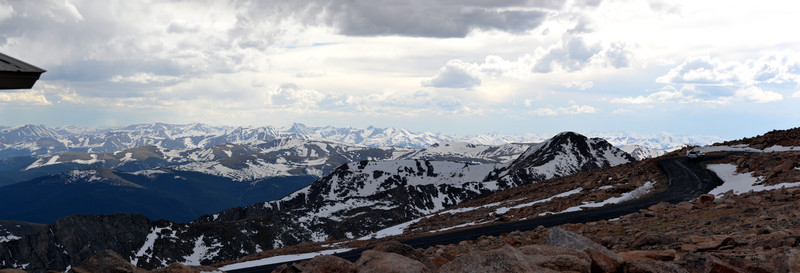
{"points": [[748, 224]]}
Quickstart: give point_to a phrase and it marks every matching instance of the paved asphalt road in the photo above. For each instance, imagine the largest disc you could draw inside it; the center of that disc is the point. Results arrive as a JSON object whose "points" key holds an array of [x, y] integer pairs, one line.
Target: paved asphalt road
{"points": [[687, 181]]}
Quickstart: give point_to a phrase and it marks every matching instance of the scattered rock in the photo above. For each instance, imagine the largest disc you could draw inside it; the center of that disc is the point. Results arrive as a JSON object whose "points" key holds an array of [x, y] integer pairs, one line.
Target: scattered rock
{"points": [[106, 261], [785, 166], [506, 259], [328, 264], [651, 266], [693, 262], [567, 239], [372, 261], [793, 260], [650, 239], [284, 268], [603, 263], [660, 207], [659, 255], [439, 261], [685, 206], [179, 268], [557, 258], [406, 251], [706, 198]]}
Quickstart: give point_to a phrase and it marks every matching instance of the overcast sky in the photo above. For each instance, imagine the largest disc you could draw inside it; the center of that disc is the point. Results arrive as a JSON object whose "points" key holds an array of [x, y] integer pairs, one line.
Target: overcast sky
{"points": [[724, 68]]}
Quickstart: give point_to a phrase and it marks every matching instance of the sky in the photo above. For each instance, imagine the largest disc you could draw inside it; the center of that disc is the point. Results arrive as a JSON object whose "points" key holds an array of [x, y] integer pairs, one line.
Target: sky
{"points": [[721, 68]]}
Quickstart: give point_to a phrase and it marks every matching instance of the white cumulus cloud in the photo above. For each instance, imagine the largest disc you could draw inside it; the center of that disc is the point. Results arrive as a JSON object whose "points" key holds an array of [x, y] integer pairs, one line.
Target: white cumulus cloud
{"points": [[455, 74], [755, 94], [569, 110], [26, 97], [670, 94]]}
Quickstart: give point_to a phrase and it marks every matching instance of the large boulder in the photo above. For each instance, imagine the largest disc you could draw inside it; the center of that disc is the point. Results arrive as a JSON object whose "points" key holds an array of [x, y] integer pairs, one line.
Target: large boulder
{"points": [[328, 264], [603, 260], [506, 259], [372, 261], [557, 258], [530, 258], [405, 250]]}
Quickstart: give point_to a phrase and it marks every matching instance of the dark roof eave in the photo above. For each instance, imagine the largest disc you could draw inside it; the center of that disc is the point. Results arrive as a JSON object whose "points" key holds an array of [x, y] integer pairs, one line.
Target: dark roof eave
{"points": [[18, 80]]}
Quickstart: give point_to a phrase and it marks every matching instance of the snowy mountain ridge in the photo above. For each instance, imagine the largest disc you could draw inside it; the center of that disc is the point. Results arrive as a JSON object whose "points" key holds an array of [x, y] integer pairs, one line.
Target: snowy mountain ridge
{"points": [[277, 157], [26, 140]]}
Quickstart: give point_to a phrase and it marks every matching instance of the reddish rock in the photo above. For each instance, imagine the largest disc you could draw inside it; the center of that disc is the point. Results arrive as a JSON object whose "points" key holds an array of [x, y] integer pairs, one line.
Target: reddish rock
{"points": [[685, 206], [567, 239], [785, 166], [603, 263], [557, 258], [511, 241], [706, 198], [660, 207], [703, 243], [406, 251], [439, 261], [650, 239], [107, 261], [793, 260], [328, 264], [372, 261], [659, 255], [284, 268], [775, 240], [651, 266], [506, 259], [11, 270], [694, 262]]}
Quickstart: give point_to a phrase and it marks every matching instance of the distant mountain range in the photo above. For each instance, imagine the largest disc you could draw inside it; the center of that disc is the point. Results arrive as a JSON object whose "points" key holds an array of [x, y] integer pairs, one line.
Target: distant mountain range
{"points": [[194, 181], [244, 165], [33, 140], [352, 200]]}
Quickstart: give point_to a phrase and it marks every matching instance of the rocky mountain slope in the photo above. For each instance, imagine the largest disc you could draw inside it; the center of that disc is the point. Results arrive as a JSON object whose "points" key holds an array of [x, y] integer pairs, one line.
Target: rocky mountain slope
{"points": [[164, 194], [640, 152], [353, 200]]}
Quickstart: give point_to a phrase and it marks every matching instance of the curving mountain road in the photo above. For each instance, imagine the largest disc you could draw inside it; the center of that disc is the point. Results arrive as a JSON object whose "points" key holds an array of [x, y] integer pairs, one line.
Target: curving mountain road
{"points": [[687, 181]]}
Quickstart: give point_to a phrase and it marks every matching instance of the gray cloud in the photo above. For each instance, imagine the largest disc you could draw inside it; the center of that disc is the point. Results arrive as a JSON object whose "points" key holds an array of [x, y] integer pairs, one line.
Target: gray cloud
{"points": [[573, 55], [181, 27], [455, 74], [427, 18], [617, 55]]}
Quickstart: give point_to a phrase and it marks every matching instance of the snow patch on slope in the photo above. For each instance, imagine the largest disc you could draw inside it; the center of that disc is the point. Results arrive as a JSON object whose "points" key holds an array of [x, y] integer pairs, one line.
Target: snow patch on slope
{"points": [[628, 196], [281, 259], [563, 194], [41, 162], [741, 182]]}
